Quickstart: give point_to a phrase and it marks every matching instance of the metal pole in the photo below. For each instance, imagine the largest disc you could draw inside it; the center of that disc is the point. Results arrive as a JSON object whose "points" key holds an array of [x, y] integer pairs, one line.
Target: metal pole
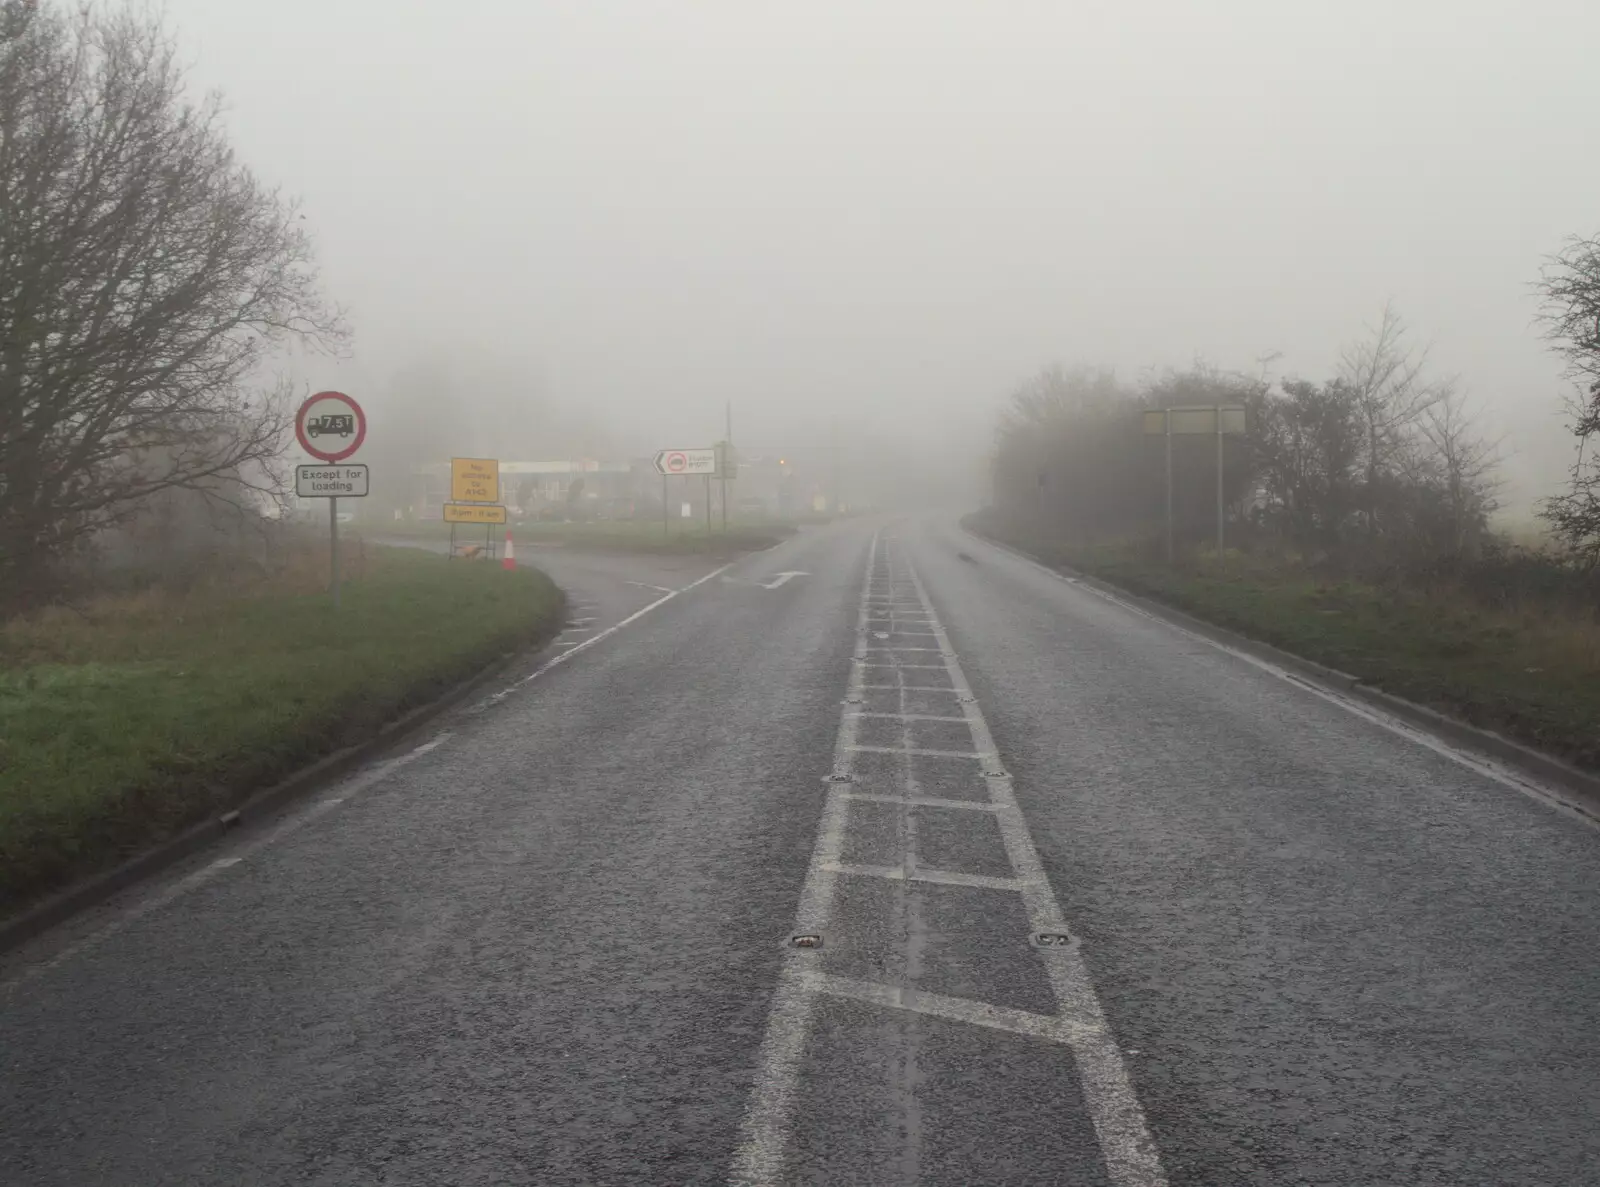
{"points": [[1169, 485], [708, 506], [1219, 483], [666, 530], [727, 452], [333, 547]]}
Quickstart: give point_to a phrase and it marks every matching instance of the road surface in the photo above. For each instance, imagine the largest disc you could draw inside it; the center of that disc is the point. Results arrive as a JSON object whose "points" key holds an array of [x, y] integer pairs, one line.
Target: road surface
{"points": [[1098, 903]]}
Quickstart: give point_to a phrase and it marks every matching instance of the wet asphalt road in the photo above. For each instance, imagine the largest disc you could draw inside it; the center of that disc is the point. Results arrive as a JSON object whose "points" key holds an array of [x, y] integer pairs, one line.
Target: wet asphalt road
{"points": [[545, 942]]}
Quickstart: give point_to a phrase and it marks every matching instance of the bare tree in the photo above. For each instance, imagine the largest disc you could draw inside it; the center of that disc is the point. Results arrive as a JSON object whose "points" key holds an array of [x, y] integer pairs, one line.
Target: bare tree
{"points": [[1386, 380], [1463, 463], [146, 277], [1570, 288]]}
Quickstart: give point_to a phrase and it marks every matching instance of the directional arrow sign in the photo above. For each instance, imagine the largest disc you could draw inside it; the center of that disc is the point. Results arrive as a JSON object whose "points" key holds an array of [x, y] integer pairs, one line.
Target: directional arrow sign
{"points": [[687, 461]]}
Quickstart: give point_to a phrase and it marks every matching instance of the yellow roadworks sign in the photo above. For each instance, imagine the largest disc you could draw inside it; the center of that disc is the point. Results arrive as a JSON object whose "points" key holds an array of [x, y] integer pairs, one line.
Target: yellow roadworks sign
{"points": [[473, 513]]}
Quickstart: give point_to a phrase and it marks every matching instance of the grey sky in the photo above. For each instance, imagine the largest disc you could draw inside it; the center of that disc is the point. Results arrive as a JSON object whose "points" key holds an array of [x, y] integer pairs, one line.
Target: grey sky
{"points": [[897, 210]]}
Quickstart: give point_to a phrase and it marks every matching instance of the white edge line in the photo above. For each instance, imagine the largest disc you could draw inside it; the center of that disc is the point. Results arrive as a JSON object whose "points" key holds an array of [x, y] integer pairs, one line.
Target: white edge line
{"points": [[1547, 794], [556, 661], [341, 793]]}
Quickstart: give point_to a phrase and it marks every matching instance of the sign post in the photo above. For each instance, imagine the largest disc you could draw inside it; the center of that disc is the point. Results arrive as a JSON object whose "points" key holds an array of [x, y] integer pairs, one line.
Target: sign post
{"points": [[330, 426], [685, 462], [1196, 420]]}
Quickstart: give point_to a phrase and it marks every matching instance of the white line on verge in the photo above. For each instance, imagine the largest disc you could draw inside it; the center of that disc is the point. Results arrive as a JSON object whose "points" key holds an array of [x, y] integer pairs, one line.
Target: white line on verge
{"points": [[343, 792], [347, 790], [1546, 794], [557, 660]]}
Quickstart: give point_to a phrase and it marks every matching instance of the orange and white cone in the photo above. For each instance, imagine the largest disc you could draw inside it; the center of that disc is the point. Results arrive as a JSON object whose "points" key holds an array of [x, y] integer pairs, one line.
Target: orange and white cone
{"points": [[509, 561]]}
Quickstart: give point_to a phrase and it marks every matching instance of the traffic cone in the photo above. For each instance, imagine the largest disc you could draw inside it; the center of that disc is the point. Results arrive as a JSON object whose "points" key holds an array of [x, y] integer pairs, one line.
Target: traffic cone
{"points": [[509, 561]]}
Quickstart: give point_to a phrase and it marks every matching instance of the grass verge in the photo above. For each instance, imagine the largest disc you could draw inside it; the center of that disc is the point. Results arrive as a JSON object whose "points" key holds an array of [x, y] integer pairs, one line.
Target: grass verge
{"points": [[1530, 674], [123, 723]]}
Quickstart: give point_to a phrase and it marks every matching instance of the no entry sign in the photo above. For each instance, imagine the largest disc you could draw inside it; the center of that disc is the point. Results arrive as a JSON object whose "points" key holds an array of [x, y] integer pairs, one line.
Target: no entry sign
{"points": [[330, 426]]}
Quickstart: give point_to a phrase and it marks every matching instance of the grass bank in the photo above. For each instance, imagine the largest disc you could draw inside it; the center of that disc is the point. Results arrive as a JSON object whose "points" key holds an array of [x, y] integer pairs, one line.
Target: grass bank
{"points": [[125, 721], [639, 536], [1530, 673]]}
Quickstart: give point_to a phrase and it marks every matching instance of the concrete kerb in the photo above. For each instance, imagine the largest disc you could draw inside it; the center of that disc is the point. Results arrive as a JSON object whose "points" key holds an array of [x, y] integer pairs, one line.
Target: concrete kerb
{"points": [[1583, 787], [93, 891]]}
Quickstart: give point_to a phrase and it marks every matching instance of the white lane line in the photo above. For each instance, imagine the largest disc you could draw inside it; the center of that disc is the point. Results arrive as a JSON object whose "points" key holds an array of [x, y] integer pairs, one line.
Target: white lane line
{"points": [[764, 1132], [914, 717], [956, 1009], [925, 801], [1547, 794], [920, 752], [872, 663], [924, 874], [906, 687], [658, 588], [135, 911], [1119, 1121], [556, 661]]}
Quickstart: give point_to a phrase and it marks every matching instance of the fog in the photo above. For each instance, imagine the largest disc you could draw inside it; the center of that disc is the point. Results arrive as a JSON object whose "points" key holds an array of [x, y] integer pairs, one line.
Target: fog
{"points": [[884, 215]]}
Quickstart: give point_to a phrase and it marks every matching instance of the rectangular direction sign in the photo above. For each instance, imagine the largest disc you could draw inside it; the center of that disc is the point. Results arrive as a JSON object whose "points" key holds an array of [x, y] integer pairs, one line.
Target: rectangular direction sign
{"points": [[1195, 419], [474, 480], [474, 513], [687, 461], [330, 480]]}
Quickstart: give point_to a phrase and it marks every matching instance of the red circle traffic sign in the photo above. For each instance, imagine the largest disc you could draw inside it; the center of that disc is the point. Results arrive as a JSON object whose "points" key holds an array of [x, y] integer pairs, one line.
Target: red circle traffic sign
{"points": [[677, 462], [335, 417]]}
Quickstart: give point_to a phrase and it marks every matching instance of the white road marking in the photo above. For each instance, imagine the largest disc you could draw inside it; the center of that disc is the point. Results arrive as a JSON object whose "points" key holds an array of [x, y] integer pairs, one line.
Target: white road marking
{"points": [[925, 801], [347, 790], [1119, 1121], [1130, 1156], [914, 717], [1547, 794], [925, 874], [957, 1009], [780, 579], [920, 751], [646, 585], [556, 661], [143, 906]]}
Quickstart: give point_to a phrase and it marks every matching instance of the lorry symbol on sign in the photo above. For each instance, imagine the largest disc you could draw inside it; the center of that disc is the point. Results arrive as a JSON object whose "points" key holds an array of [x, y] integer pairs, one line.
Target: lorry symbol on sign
{"points": [[338, 424]]}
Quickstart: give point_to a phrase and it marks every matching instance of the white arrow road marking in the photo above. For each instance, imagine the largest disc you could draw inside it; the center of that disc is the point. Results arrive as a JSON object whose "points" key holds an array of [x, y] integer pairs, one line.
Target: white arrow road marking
{"points": [[780, 579]]}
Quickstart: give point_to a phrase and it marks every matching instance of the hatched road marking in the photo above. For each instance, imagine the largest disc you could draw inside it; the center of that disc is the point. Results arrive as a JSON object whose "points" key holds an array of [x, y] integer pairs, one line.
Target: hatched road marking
{"points": [[1130, 1155]]}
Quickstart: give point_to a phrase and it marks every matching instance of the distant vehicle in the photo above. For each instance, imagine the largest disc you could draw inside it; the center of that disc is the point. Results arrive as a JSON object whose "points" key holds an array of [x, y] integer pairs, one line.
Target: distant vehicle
{"points": [[335, 424]]}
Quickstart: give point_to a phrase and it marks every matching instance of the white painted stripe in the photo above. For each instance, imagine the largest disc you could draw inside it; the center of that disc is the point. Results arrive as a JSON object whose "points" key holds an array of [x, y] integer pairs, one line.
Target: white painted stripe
{"points": [[764, 1133], [556, 661], [646, 585], [1119, 1121], [956, 1009], [919, 752], [1550, 795], [914, 717], [926, 801], [908, 688], [925, 874], [148, 903]]}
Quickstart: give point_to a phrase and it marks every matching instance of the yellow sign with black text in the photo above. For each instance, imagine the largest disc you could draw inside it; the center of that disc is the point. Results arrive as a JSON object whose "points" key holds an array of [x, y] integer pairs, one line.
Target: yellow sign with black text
{"points": [[474, 513], [474, 480]]}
